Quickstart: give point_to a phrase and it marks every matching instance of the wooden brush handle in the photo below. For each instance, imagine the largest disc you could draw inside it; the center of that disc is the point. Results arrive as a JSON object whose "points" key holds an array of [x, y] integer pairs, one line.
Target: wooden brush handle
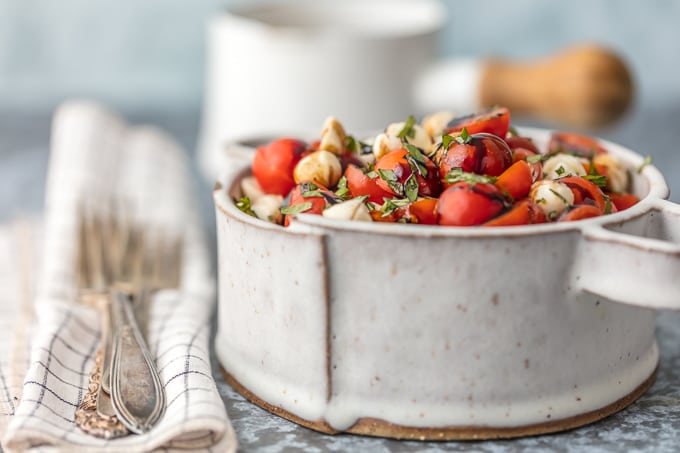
{"points": [[585, 86]]}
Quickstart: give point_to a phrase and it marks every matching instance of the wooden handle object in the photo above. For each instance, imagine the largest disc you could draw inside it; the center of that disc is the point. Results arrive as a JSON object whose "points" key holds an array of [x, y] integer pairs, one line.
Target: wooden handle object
{"points": [[586, 86]]}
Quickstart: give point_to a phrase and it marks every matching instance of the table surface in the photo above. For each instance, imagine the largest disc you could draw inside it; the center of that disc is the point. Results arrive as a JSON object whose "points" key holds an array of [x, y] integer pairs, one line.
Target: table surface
{"points": [[652, 424]]}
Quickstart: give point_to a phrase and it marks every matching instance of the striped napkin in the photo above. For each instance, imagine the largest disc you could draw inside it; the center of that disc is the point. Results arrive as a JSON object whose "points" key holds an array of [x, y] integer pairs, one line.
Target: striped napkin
{"points": [[95, 158]]}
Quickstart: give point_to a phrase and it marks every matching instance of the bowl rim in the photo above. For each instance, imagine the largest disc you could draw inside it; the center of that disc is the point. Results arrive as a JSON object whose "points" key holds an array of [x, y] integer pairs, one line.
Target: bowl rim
{"points": [[301, 223]]}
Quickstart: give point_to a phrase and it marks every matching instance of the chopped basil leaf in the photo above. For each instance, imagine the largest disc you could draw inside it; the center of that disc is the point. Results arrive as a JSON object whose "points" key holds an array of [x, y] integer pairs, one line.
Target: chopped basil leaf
{"points": [[464, 135], [244, 205], [560, 196], [387, 175], [552, 215], [352, 145], [541, 201], [372, 174], [536, 158], [598, 180], [416, 153], [458, 175], [416, 166], [371, 206], [396, 187], [408, 130], [342, 190], [411, 187], [446, 141], [560, 170], [607, 205], [308, 187], [647, 161], [391, 204], [296, 209], [312, 194]]}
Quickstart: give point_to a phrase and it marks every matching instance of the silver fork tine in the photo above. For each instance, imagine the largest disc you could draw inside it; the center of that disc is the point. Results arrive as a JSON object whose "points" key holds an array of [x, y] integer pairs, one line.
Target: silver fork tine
{"points": [[95, 414]]}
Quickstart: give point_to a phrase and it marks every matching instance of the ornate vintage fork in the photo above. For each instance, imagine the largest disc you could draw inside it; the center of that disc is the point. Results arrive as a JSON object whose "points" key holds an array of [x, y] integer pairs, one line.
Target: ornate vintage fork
{"points": [[95, 414], [136, 388], [125, 263]]}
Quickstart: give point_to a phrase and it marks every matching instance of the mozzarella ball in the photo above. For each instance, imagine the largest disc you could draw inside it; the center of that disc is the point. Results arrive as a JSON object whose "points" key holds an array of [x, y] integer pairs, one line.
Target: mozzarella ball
{"points": [[353, 209], [561, 165], [435, 124], [267, 207], [552, 197], [321, 167], [420, 139], [251, 188], [617, 174], [333, 136], [384, 144]]}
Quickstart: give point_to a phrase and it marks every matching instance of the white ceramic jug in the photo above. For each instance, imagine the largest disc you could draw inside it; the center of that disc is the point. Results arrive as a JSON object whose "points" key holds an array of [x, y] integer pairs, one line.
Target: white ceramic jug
{"points": [[282, 68]]}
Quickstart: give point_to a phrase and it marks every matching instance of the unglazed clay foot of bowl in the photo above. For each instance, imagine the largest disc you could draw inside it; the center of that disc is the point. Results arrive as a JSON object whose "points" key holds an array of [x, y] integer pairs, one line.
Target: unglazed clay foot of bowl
{"points": [[429, 332]]}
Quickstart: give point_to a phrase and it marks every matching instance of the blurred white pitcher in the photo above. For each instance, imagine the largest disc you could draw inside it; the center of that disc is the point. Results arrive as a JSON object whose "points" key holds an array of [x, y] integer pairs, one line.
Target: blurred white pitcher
{"points": [[283, 68]]}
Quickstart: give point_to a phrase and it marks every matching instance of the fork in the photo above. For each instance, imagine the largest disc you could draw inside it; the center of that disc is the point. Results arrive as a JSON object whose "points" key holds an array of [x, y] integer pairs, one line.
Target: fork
{"points": [[136, 389], [120, 265], [95, 414]]}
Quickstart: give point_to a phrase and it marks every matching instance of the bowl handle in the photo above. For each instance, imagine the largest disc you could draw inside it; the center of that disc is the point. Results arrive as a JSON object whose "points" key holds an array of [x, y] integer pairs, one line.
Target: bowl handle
{"points": [[643, 270]]}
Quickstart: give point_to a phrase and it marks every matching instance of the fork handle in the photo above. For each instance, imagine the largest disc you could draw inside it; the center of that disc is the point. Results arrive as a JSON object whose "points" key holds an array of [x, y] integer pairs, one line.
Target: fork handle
{"points": [[136, 389]]}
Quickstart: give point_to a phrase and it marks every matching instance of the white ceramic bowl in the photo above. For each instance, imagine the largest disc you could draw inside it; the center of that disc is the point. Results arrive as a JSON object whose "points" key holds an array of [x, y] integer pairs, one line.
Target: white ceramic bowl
{"points": [[444, 332]]}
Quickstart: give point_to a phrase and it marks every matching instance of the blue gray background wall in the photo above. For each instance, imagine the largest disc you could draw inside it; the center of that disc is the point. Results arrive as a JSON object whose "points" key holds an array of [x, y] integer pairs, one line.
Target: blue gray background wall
{"points": [[148, 55]]}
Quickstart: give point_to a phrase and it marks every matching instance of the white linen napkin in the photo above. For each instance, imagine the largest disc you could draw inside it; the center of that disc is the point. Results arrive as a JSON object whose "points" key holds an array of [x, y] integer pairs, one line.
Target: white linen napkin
{"points": [[95, 158]]}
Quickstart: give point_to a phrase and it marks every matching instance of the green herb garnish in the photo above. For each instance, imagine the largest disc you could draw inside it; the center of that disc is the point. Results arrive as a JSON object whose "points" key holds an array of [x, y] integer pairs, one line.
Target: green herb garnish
{"points": [[446, 141], [244, 205], [391, 204], [342, 190], [352, 145], [598, 180], [595, 177], [607, 204], [560, 196], [464, 135], [536, 158], [296, 209], [415, 153], [458, 175], [411, 187], [408, 130], [387, 175], [560, 170], [646, 162], [372, 174]]}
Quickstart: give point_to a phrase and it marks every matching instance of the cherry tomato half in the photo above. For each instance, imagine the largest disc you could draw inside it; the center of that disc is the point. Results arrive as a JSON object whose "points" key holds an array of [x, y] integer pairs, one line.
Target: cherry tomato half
{"points": [[523, 212], [360, 184], [397, 164], [483, 154], [623, 200], [536, 167], [585, 192], [580, 212], [580, 145], [301, 194], [516, 180], [423, 211], [516, 141], [495, 120], [465, 204], [274, 163]]}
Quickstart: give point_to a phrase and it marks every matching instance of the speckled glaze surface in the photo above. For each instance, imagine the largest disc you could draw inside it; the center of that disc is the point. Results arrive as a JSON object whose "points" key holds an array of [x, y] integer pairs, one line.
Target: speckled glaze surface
{"points": [[452, 328]]}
